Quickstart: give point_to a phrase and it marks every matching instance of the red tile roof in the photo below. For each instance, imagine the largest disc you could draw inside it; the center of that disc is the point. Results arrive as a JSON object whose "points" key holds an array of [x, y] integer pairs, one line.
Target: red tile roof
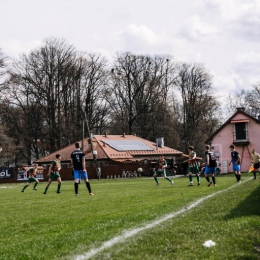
{"points": [[106, 152]]}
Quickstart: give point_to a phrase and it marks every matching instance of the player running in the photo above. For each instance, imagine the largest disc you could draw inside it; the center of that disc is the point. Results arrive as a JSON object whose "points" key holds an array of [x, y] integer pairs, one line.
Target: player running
{"points": [[54, 173], [162, 165], [32, 177]]}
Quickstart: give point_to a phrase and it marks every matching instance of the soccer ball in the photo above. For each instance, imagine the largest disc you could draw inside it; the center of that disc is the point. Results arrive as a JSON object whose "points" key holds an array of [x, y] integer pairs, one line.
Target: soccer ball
{"points": [[139, 170]]}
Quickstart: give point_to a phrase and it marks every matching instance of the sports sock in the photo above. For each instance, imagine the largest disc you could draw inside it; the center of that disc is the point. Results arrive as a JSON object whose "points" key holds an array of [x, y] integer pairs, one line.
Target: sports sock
{"points": [[168, 179], [58, 190], [88, 186], [214, 179], [239, 177], [236, 176], [155, 178], [76, 186], [254, 175], [25, 187], [190, 178], [207, 178], [45, 191], [198, 179], [35, 184]]}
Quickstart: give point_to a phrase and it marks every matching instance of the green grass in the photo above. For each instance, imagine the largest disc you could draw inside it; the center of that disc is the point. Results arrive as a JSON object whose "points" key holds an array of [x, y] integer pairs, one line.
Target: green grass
{"points": [[60, 226]]}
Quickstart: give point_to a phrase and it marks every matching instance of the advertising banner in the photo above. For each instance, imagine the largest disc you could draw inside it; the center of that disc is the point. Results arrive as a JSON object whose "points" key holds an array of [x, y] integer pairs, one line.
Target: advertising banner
{"points": [[22, 174], [6, 173]]}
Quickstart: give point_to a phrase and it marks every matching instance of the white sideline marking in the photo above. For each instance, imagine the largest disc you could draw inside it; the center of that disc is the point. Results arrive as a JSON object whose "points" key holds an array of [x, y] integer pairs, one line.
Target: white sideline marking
{"points": [[129, 233]]}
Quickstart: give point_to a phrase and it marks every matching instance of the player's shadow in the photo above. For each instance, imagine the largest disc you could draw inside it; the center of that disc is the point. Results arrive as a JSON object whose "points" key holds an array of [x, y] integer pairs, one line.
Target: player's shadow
{"points": [[250, 206]]}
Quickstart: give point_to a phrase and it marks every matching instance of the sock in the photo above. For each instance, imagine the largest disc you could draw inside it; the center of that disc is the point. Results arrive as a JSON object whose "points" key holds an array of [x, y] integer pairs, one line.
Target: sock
{"points": [[239, 177], [207, 178], [88, 186], [45, 191], [198, 179], [76, 186], [25, 187], [213, 179], [236, 176], [59, 187], [190, 178], [168, 179], [254, 175], [155, 178], [36, 183]]}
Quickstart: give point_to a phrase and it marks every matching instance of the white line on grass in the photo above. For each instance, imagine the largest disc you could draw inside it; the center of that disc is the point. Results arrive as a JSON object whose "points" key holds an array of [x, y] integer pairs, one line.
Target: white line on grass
{"points": [[7, 187], [129, 233]]}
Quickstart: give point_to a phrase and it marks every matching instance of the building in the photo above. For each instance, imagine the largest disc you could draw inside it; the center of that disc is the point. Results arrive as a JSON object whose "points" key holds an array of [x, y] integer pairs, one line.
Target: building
{"points": [[115, 155], [242, 130]]}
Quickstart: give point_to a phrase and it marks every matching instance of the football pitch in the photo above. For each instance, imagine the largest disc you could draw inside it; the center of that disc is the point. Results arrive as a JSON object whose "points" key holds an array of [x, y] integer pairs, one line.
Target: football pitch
{"points": [[132, 219]]}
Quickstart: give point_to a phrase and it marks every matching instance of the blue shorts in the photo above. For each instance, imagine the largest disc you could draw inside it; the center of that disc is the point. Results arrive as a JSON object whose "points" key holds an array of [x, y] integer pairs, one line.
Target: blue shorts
{"points": [[210, 170], [236, 167], [79, 174]]}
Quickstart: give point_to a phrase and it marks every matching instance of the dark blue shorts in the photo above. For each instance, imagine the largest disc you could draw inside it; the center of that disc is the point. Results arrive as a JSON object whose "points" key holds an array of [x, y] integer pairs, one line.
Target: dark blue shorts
{"points": [[80, 174], [236, 167], [210, 170]]}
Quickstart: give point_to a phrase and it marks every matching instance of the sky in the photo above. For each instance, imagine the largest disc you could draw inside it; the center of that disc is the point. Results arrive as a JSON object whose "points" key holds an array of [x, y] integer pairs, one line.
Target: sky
{"points": [[223, 35]]}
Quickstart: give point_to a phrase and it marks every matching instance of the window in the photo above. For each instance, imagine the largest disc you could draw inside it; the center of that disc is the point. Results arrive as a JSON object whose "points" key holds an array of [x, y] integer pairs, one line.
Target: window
{"points": [[240, 131]]}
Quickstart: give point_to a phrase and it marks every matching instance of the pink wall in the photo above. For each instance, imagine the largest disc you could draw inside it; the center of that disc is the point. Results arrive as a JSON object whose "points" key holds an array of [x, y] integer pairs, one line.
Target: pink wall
{"points": [[224, 138]]}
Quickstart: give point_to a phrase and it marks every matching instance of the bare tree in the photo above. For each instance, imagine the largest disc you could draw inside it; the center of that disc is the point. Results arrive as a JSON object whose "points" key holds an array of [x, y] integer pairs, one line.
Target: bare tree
{"points": [[93, 82], [49, 87], [2, 63], [7, 144], [252, 101], [199, 107], [138, 93], [234, 101], [248, 99]]}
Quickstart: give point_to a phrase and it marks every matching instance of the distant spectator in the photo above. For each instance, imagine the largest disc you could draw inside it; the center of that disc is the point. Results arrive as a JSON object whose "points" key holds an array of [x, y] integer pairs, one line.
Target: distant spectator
{"points": [[218, 169], [184, 167]]}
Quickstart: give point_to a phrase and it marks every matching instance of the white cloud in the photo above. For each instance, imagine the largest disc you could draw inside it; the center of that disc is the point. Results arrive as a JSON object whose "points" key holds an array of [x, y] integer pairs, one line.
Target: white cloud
{"points": [[236, 17], [15, 47], [196, 30], [140, 38], [227, 84], [247, 58], [247, 65]]}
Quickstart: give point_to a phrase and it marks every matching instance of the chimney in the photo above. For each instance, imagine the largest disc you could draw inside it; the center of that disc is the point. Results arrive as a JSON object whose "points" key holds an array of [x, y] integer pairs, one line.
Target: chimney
{"points": [[241, 109], [159, 142], [123, 134], [105, 134]]}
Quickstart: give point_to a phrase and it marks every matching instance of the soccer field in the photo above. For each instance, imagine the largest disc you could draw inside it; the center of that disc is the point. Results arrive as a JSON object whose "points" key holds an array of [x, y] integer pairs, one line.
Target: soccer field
{"points": [[132, 219]]}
